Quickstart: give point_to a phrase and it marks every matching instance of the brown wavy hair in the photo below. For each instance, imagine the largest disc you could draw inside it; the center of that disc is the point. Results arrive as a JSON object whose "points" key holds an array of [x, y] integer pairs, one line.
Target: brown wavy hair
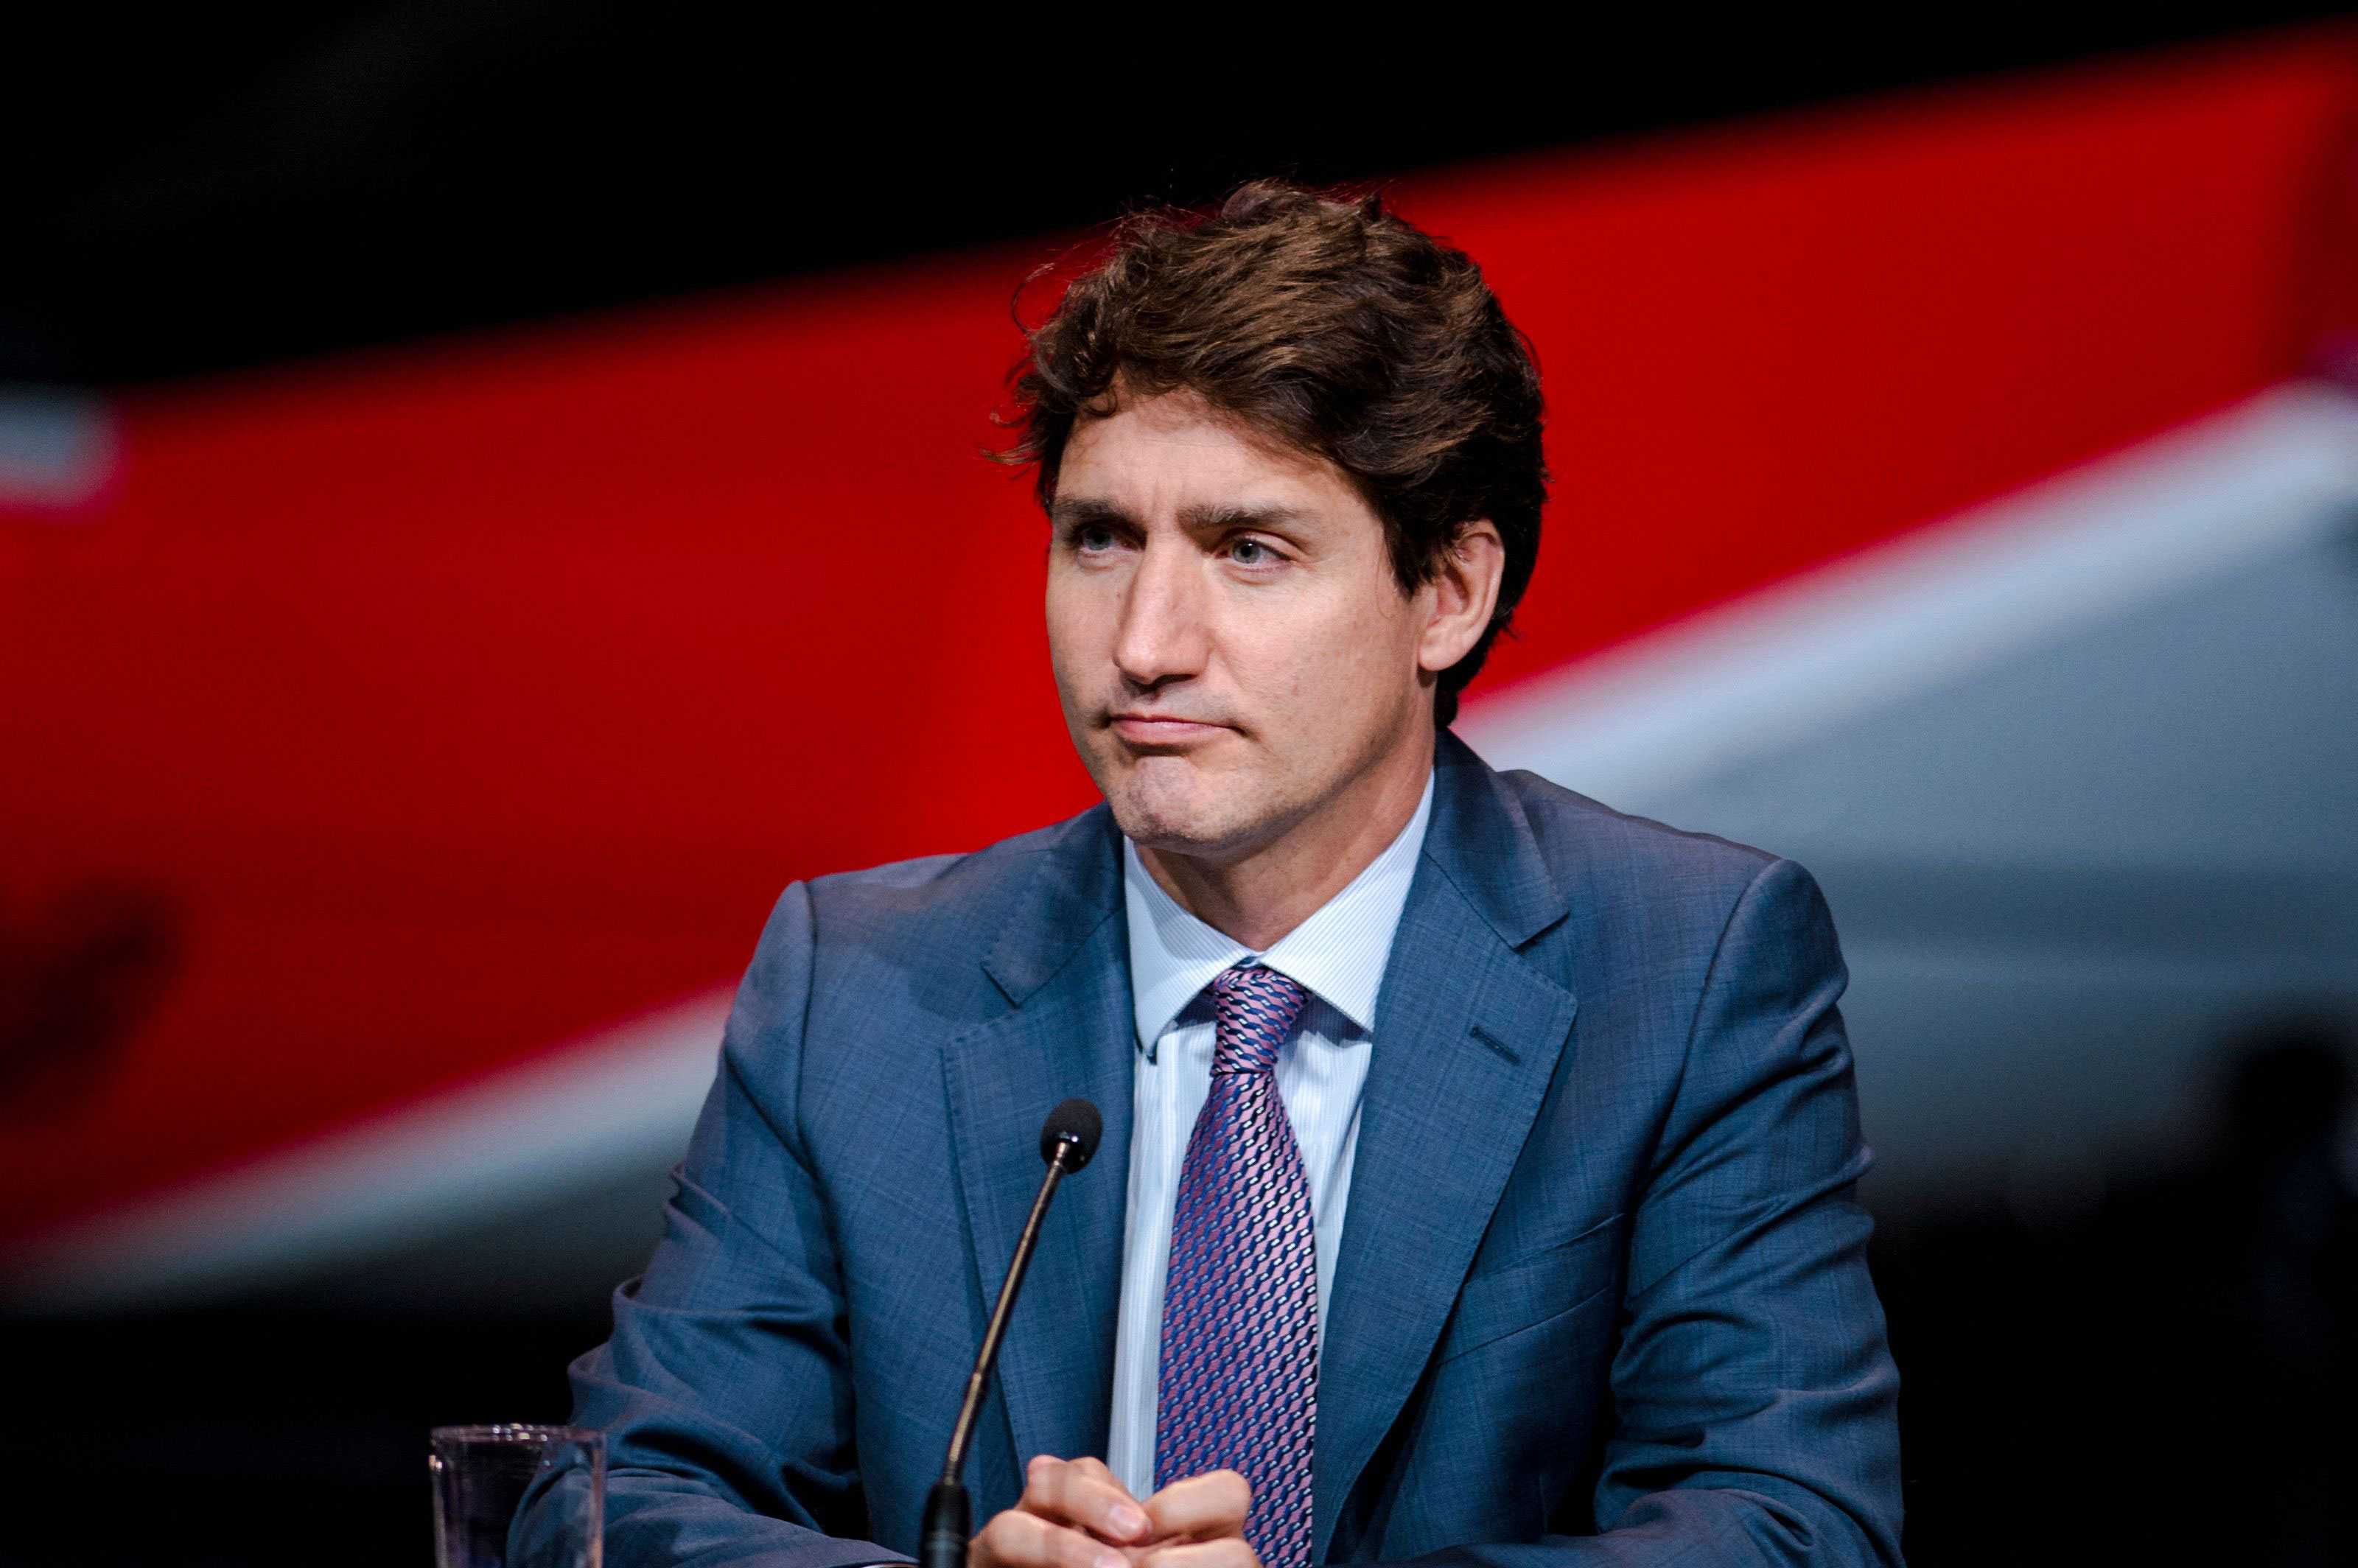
{"points": [[1334, 326]]}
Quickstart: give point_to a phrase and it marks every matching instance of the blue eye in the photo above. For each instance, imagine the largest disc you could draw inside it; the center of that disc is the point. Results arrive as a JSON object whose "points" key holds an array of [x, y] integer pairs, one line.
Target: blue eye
{"points": [[1249, 552], [1094, 537]]}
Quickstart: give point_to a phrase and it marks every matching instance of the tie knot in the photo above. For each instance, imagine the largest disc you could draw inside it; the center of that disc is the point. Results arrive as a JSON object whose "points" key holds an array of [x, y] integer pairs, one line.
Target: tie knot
{"points": [[1252, 1008]]}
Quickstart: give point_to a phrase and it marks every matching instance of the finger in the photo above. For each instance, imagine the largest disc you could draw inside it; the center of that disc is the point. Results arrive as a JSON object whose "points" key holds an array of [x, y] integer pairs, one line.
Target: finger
{"points": [[1019, 1539], [1228, 1551], [1089, 1465], [1083, 1492], [1201, 1507]]}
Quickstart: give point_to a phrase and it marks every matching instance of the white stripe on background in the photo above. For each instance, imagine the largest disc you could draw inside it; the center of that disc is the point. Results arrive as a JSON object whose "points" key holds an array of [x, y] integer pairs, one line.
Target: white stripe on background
{"points": [[58, 449], [1794, 661], [1671, 707], [612, 1104]]}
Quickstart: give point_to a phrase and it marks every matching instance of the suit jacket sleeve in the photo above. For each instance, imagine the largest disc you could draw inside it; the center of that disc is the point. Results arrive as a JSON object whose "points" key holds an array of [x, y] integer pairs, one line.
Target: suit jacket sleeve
{"points": [[725, 1391], [1755, 1398]]}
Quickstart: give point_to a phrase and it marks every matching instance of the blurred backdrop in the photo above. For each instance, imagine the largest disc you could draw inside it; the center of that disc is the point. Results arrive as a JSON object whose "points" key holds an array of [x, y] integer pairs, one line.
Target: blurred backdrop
{"points": [[489, 493]]}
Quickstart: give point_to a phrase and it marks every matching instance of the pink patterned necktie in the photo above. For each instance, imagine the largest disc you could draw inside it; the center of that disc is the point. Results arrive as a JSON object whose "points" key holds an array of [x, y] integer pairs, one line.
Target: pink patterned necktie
{"points": [[1240, 1374]]}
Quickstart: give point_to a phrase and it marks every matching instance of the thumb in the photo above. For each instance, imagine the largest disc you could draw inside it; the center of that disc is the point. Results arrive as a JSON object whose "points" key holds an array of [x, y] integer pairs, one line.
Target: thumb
{"points": [[1201, 1508]]}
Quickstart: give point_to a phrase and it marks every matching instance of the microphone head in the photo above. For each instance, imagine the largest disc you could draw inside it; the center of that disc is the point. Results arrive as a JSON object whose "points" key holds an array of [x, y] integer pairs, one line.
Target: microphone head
{"points": [[1077, 1121]]}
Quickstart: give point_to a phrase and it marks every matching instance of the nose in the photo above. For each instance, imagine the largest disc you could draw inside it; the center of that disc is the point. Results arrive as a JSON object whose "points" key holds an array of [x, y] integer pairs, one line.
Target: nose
{"points": [[1161, 638]]}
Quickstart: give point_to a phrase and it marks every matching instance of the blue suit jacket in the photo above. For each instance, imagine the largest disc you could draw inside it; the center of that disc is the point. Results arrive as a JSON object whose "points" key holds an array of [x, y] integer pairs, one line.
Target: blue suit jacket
{"points": [[1603, 1271]]}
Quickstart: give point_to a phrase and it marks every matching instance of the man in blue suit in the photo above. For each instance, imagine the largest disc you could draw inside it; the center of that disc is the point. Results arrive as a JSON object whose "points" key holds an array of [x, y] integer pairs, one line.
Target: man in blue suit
{"points": [[1478, 1179]]}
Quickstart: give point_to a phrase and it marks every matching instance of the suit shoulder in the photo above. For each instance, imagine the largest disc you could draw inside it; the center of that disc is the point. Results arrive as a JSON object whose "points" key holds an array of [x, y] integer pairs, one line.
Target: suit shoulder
{"points": [[1584, 838], [917, 897]]}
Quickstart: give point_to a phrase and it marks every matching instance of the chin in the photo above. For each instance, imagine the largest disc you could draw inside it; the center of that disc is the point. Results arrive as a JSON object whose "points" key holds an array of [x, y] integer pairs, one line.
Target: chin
{"points": [[1179, 817], [1181, 811], [1156, 824]]}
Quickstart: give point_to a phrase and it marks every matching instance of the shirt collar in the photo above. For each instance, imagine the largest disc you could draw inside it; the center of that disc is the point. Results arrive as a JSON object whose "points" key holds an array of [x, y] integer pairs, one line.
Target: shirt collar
{"points": [[1338, 954]]}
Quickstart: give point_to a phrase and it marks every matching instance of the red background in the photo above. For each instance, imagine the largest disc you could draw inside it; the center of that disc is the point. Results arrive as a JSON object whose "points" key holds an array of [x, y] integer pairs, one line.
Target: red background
{"points": [[465, 698]]}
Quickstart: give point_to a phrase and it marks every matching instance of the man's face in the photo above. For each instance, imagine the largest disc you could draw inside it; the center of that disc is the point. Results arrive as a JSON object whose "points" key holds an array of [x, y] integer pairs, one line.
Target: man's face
{"points": [[1231, 647]]}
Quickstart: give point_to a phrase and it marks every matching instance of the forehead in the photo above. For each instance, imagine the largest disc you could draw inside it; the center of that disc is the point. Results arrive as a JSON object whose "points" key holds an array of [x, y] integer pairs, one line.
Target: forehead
{"points": [[1166, 453]]}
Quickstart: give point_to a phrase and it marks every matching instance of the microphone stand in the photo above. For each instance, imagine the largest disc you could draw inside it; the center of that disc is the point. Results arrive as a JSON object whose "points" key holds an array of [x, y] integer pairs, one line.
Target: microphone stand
{"points": [[949, 1515]]}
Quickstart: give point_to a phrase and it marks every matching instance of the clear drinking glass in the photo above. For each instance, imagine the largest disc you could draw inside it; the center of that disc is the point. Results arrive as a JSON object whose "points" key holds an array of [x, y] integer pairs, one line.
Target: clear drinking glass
{"points": [[518, 1496]]}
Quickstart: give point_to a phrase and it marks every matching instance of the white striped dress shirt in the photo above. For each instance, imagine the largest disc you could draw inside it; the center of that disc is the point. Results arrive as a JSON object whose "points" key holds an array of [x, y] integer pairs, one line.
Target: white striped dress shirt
{"points": [[1338, 956]]}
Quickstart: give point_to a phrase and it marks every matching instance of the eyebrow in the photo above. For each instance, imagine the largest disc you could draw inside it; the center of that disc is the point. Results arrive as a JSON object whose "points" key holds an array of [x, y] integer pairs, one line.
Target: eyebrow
{"points": [[1208, 518], [1083, 509], [1211, 519]]}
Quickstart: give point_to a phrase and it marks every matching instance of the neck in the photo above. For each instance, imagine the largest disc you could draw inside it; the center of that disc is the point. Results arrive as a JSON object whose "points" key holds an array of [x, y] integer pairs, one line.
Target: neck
{"points": [[1257, 897]]}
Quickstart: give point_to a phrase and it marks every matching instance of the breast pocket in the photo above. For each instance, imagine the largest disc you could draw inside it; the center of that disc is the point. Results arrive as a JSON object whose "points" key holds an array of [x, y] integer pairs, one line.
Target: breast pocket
{"points": [[1528, 1288]]}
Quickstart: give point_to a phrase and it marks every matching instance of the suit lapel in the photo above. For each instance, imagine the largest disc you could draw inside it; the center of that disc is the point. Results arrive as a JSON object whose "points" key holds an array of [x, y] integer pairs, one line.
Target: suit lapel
{"points": [[1062, 961], [1467, 1036]]}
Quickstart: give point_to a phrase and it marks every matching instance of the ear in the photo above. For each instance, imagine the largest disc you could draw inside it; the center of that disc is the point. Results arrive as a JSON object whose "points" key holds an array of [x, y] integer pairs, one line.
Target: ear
{"points": [[1462, 595]]}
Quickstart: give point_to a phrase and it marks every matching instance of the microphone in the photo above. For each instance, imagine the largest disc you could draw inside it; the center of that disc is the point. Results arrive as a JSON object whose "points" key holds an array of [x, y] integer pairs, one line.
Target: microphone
{"points": [[1068, 1139]]}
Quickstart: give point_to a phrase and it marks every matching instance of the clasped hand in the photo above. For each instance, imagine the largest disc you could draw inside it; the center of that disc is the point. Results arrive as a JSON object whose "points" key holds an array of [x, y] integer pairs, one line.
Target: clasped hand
{"points": [[1075, 1514]]}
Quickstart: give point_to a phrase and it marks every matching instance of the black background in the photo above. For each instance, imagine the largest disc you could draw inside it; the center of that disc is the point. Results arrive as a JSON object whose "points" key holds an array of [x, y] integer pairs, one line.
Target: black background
{"points": [[193, 190]]}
